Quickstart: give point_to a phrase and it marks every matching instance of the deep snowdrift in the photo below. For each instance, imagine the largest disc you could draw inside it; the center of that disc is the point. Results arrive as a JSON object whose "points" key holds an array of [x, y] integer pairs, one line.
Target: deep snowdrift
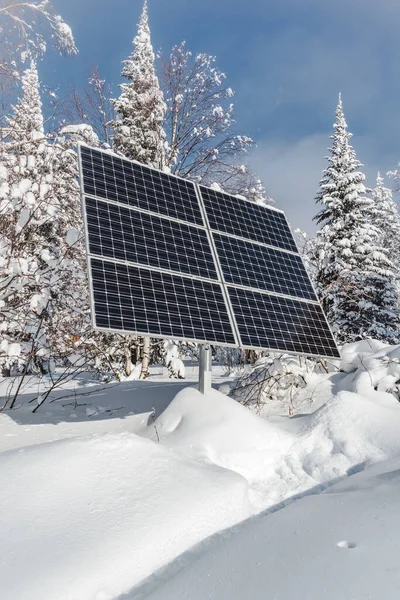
{"points": [[347, 432], [216, 429], [343, 543], [90, 517], [85, 519]]}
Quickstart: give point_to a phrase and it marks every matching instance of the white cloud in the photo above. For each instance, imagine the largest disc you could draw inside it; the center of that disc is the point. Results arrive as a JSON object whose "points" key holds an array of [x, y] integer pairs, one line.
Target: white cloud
{"points": [[291, 172]]}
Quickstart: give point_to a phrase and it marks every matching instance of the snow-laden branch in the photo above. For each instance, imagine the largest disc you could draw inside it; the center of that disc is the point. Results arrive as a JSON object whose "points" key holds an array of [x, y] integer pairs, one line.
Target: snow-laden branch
{"points": [[24, 23], [200, 124]]}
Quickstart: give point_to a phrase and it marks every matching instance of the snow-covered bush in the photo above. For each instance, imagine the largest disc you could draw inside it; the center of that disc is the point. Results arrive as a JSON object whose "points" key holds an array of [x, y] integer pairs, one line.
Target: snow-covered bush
{"points": [[371, 366], [273, 383], [173, 361]]}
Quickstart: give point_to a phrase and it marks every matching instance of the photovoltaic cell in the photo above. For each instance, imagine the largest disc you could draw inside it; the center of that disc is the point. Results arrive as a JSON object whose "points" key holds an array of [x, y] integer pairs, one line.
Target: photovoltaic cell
{"points": [[121, 233], [113, 178], [132, 299], [252, 265], [284, 324], [245, 219]]}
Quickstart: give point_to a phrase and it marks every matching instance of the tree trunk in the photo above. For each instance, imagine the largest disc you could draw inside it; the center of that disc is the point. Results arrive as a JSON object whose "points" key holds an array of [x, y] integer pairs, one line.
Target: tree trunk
{"points": [[128, 356], [144, 373]]}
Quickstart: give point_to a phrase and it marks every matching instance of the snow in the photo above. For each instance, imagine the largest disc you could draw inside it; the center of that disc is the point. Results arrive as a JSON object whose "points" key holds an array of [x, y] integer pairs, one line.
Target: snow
{"points": [[81, 132], [106, 497], [23, 219], [343, 543], [172, 360], [88, 512], [217, 429], [14, 350], [73, 236], [23, 187]]}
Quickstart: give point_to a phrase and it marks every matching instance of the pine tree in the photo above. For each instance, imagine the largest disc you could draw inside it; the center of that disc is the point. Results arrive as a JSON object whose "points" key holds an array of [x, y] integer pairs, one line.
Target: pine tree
{"points": [[387, 220], [42, 278], [26, 225], [139, 133], [355, 281]]}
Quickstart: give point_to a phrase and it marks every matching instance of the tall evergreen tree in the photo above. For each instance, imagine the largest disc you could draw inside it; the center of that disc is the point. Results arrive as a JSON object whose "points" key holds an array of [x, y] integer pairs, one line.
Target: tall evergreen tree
{"points": [[26, 224], [139, 133], [387, 219], [354, 276], [42, 278]]}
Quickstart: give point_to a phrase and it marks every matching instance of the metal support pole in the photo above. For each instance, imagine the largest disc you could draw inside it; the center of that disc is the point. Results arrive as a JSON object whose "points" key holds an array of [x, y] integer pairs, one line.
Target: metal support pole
{"points": [[205, 369]]}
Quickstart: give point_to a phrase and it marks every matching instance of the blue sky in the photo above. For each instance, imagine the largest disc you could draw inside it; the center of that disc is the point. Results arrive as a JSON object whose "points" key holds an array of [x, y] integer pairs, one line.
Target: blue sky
{"points": [[287, 60]]}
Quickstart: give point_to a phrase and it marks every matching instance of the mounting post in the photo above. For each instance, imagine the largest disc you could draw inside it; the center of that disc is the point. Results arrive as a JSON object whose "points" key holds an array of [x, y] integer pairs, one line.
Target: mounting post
{"points": [[205, 369]]}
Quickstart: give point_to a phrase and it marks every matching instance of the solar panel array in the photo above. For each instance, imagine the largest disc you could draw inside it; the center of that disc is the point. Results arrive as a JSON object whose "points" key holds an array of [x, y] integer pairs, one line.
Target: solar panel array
{"points": [[171, 259], [261, 267], [229, 214], [112, 178], [131, 299], [158, 242]]}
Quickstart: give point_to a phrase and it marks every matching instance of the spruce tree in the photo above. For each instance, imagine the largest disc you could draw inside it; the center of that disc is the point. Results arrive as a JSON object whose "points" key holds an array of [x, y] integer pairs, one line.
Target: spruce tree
{"points": [[42, 266], [26, 226], [139, 133], [354, 278], [387, 219]]}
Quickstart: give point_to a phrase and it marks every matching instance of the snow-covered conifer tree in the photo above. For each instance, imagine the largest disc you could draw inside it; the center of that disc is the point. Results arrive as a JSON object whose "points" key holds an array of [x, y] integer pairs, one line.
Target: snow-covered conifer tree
{"points": [[41, 258], [139, 133], [26, 224], [387, 219], [354, 276]]}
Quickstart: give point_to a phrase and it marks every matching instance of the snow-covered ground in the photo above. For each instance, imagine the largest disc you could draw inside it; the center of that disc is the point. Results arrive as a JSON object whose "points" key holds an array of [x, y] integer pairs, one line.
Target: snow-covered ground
{"points": [[100, 501], [341, 544]]}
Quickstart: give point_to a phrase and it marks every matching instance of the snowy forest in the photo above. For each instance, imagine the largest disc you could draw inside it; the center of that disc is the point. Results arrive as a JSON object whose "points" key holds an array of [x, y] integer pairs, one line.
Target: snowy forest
{"points": [[174, 113]]}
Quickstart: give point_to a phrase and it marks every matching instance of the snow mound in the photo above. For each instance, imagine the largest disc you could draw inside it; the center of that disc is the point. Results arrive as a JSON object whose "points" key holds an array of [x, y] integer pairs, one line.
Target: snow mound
{"points": [[354, 354], [345, 435], [375, 373], [217, 429], [88, 518], [339, 544], [356, 424]]}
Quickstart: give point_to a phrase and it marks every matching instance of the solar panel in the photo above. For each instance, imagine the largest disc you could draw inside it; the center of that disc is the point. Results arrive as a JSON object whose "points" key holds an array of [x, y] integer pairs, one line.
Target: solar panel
{"points": [[169, 258], [108, 176], [261, 267], [132, 299], [124, 234], [245, 219], [284, 324]]}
